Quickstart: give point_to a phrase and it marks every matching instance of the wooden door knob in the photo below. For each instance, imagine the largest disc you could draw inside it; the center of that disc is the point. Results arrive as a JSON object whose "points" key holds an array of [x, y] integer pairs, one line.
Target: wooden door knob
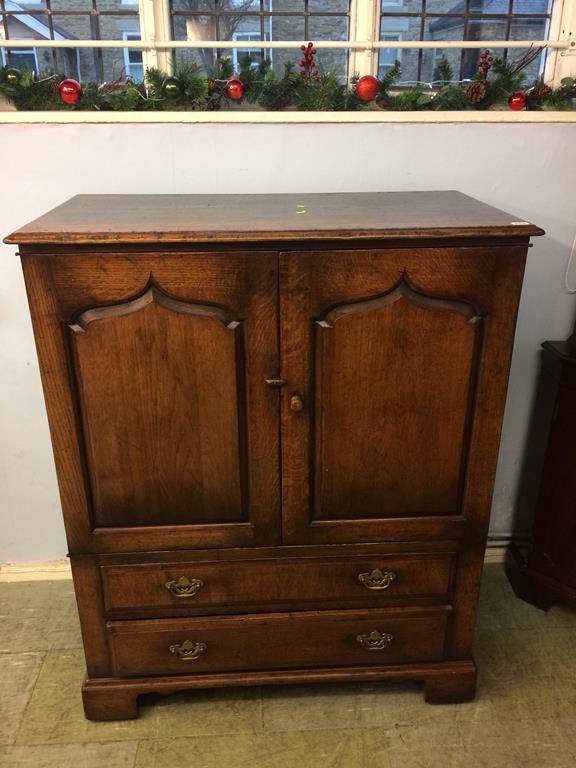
{"points": [[296, 403]]}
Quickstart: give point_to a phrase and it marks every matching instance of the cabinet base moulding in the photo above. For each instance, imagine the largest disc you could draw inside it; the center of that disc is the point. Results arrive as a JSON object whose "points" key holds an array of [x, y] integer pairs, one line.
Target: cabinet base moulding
{"points": [[117, 698]]}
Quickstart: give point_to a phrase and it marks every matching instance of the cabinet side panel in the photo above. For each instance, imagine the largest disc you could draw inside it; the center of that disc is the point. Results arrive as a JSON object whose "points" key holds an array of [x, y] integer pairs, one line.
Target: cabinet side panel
{"points": [[60, 407]]}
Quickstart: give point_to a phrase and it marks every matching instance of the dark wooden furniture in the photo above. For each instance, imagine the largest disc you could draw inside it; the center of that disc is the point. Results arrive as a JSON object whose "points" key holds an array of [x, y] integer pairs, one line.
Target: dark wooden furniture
{"points": [[548, 575], [275, 423]]}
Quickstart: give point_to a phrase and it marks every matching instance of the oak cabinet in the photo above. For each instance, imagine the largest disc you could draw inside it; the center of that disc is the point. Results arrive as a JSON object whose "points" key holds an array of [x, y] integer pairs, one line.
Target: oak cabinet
{"points": [[275, 434]]}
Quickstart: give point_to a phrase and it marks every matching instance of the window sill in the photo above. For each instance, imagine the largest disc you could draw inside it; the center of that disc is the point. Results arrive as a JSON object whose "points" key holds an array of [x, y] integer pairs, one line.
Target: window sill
{"points": [[501, 116]]}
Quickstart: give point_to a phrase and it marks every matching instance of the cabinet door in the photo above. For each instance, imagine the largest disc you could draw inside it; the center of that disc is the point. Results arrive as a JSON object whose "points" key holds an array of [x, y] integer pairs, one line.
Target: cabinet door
{"points": [[396, 366], [154, 366]]}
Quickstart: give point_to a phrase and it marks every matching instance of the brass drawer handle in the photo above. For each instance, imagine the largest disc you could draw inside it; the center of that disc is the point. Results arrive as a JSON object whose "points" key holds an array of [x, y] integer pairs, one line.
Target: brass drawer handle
{"points": [[189, 650], [377, 579], [184, 587], [375, 641]]}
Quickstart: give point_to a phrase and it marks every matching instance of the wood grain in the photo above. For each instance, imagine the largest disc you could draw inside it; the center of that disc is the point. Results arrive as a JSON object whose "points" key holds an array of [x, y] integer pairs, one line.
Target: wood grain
{"points": [[225, 218], [396, 397], [116, 698], [162, 392], [392, 381], [139, 590], [139, 432], [277, 641]]}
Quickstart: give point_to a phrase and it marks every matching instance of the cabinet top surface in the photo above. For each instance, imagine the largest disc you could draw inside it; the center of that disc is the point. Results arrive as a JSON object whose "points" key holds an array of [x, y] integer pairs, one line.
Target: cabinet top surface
{"points": [[108, 219]]}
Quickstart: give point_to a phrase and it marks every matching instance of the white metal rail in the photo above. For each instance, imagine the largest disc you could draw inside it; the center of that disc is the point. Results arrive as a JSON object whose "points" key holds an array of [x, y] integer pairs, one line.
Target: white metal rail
{"points": [[361, 45]]}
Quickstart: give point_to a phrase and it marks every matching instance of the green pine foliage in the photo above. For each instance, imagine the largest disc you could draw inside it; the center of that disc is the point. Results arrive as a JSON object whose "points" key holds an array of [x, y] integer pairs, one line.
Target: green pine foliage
{"points": [[189, 88], [279, 93], [254, 78], [327, 95], [392, 76], [450, 98], [443, 73], [559, 99], [411, 100], [504, 80]]}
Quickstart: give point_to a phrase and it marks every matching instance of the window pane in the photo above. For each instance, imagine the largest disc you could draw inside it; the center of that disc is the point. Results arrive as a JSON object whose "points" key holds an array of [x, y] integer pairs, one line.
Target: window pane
{"points": [[193, 5], [21, 58], [400, 28], [249, 20], [72, 5], [327, 6], [330, 28], [459, 20], [69, 20], [464, 62], [195, 28], [285, 28], [402, 6], [285, 6], [529, 28], [532, 6]]}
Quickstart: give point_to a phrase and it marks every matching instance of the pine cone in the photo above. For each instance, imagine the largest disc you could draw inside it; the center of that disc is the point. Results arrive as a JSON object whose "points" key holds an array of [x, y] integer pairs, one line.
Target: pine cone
{"points": [[540, 92], [476, 91]]}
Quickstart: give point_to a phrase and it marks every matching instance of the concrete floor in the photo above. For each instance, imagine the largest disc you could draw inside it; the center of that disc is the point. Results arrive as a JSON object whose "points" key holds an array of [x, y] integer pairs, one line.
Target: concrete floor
{"points": [[524, 715]]}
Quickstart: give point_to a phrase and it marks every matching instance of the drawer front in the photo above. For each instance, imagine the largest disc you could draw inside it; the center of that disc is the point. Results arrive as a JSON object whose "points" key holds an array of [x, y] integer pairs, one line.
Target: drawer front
{"points": [[278, 641], [191, 588]]}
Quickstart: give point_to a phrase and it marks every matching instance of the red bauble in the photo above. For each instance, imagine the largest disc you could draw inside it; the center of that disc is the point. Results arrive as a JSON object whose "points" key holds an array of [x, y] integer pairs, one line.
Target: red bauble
{"points": [[235, 88], [517, 101], [70, 91], [367, 88]]}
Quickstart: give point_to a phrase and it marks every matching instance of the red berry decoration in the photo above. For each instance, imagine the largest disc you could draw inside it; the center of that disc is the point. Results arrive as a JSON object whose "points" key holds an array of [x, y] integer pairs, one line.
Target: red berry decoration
{"points": [[367, 88], [235, 88], [517, 101], [485, 64], [70, 91], [308, 65]]}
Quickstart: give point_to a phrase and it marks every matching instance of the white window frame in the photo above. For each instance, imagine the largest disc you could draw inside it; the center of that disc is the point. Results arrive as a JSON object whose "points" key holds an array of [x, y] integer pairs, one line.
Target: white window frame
{"points": [[240, 37], [33, 51], [392, 37], [126, 52]]}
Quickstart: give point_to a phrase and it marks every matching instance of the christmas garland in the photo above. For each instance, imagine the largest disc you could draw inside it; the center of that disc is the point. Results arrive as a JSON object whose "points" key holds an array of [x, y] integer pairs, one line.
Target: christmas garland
{"points": [[498, 84]]}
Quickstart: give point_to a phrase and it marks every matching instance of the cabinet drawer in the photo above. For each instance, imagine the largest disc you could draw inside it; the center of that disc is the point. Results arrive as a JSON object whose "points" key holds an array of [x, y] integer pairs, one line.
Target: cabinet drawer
{"points": [[190, 588], [278, 641]]}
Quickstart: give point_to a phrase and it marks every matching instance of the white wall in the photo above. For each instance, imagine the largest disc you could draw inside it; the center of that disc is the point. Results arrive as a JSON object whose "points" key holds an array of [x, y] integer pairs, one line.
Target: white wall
{"points": [[525, 169]]}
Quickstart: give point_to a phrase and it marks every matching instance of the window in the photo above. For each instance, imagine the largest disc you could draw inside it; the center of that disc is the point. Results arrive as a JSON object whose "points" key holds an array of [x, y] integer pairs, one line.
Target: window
{"points": [[261, 20], [463, 20], [242, 23], [133, 64], [389, 56], [70, 20], [255, 54], [21, 58]]}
